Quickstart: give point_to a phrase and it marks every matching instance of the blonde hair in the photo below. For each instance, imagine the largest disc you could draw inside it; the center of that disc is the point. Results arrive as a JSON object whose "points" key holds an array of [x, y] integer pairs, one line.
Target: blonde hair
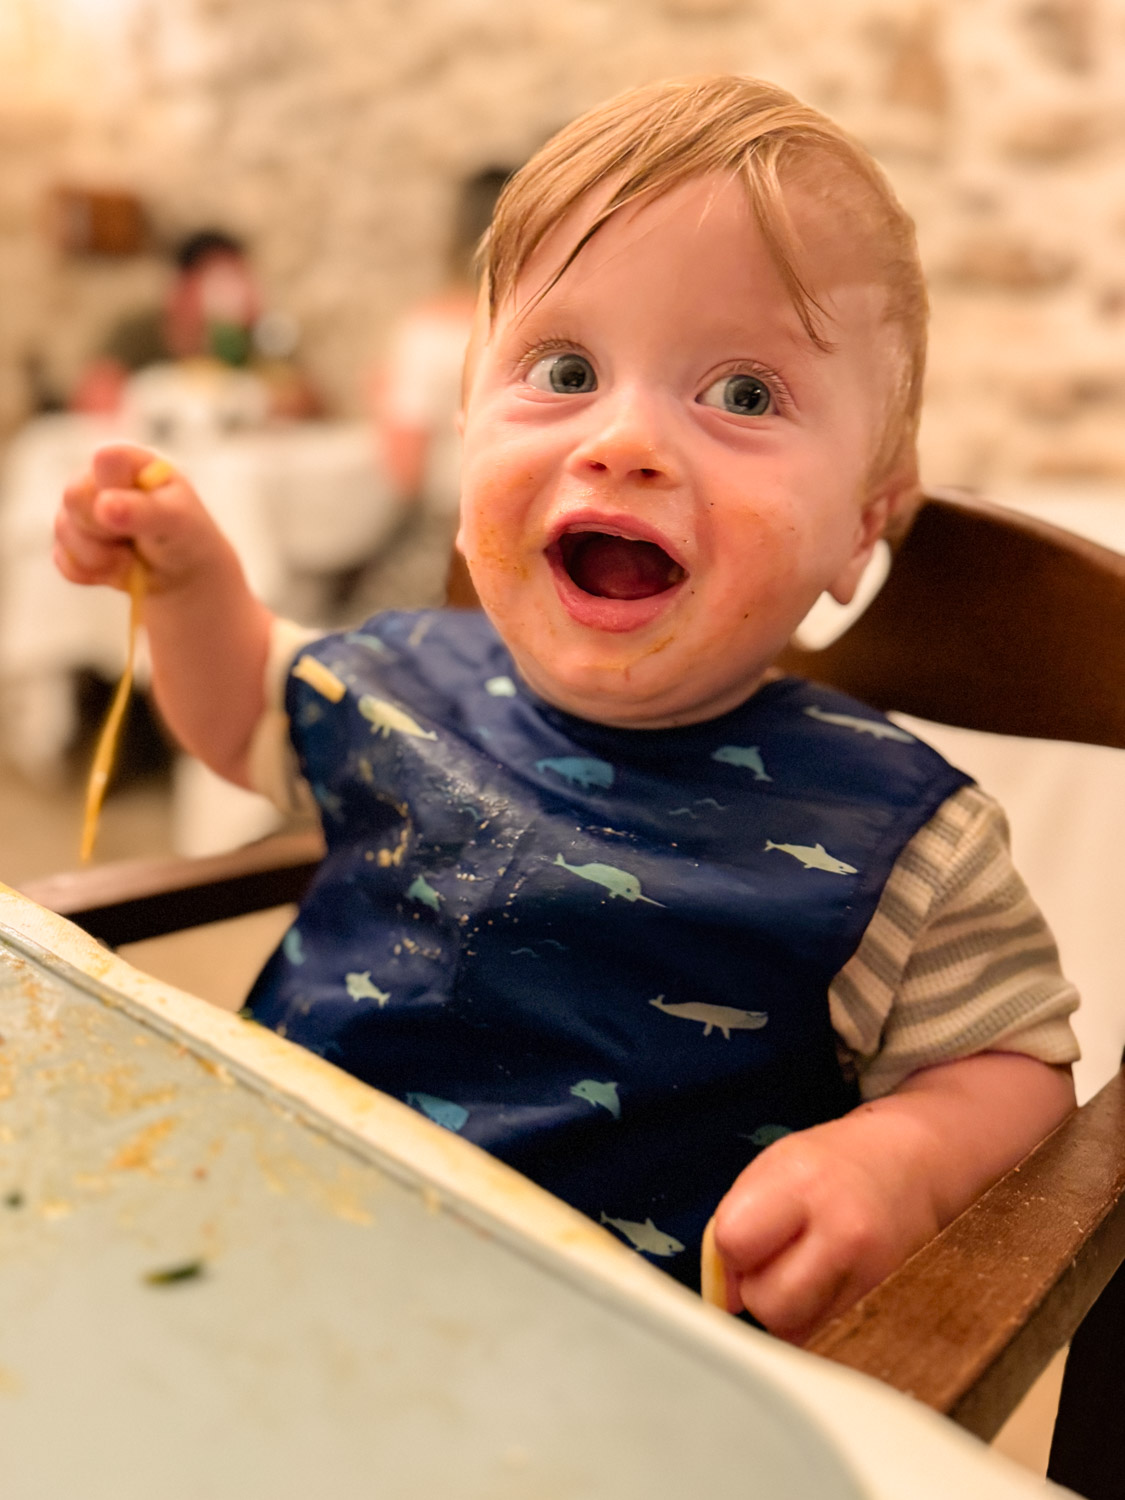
{"points": [[645, 142]]}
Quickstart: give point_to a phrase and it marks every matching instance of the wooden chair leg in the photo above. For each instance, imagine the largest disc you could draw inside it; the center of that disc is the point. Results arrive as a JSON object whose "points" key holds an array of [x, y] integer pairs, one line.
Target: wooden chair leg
{"points": [[1088, 1449]]}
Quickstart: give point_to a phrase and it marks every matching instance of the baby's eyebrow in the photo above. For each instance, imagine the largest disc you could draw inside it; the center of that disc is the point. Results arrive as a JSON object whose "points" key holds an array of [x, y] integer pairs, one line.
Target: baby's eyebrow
{"points": [[787, 338], [560, 304], [821, 350], [549, 328]]}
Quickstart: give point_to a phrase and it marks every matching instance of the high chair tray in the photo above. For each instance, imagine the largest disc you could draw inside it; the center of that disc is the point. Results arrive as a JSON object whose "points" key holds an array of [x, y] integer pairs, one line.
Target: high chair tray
{"points": [[228, 1269]]}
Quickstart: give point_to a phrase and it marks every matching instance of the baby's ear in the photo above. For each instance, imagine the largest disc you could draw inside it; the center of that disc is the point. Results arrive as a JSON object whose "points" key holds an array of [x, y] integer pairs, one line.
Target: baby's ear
{"points": [[903, 490], [885, 513]]}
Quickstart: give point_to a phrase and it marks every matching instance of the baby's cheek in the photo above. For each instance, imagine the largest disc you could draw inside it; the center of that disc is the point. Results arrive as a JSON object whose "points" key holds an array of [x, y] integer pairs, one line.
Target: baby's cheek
{"points": [[782, 565], [492, 559], [490, 531], [752, 589]]}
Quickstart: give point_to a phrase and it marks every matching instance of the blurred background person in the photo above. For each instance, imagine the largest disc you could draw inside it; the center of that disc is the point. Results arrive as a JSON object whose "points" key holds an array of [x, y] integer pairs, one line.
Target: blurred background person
{"points": [[212, 316]]}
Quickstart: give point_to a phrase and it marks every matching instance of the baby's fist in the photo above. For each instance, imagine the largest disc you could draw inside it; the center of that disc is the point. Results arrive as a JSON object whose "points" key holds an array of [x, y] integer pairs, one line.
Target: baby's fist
{"points": [[129, 504], [811, 1225]]}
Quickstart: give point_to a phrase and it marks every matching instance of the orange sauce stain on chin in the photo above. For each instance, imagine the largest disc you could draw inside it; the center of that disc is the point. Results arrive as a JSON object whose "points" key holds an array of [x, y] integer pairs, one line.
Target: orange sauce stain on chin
{"points": [[658, 646]]}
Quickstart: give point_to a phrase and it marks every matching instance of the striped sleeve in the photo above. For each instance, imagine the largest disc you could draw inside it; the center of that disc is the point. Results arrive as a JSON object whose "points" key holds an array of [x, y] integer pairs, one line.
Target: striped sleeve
{"points": [[957, 959]]}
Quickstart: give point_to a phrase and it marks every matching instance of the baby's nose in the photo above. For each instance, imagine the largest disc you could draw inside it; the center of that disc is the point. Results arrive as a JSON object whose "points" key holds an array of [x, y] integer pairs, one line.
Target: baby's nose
{"points": [[641, 471], [628, 441]]}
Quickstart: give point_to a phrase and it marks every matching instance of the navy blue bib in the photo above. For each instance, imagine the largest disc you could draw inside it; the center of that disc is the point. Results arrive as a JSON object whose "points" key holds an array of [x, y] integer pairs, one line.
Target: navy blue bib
{"points": [[601, 954]]}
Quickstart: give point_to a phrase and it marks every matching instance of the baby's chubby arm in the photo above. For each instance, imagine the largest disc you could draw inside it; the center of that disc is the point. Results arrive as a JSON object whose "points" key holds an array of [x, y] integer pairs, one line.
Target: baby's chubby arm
{"points": [[823, 1215], [208, 634]]}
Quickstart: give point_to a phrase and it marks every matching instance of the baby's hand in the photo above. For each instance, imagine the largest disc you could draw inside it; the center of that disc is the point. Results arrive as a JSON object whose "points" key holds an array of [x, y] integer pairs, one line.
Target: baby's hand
{"points": [[815, 1221], [823, 1215], [117, 512]]}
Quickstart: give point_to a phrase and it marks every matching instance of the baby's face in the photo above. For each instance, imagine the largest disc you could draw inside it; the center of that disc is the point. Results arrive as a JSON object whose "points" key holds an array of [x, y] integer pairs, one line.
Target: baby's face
{"points": [[662, 472]]}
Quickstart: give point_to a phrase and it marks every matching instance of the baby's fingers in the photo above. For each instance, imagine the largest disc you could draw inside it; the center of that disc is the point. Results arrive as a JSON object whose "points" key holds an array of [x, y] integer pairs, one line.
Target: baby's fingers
{"points": [[124, 466], [756, 1220], [87, 560], [86, 550], [797, 1290], [145, 499]]}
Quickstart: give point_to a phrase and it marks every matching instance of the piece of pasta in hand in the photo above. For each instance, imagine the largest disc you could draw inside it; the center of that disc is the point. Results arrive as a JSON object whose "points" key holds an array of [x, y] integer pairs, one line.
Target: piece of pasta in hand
{"points": [[151, 477]]}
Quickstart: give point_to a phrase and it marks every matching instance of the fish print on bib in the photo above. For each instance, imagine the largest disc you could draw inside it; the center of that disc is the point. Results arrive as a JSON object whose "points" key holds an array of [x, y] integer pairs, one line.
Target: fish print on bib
{"points": [[601, 954]]}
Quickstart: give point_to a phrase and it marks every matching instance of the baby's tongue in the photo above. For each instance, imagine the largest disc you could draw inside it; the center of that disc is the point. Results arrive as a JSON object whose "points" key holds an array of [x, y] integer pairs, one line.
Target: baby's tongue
{"points": [[613, 567]]}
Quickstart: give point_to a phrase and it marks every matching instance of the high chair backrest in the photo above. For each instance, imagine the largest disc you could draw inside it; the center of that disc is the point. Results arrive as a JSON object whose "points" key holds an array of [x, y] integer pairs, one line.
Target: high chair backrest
{"points": [[990, 620]]}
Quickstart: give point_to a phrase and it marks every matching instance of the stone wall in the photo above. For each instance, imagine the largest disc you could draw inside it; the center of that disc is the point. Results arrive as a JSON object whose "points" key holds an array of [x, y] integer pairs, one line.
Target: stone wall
{"points": [[333, 134]]}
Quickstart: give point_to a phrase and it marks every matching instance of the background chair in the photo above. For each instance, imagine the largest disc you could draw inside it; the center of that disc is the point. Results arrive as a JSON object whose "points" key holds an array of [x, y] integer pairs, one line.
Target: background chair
{"points": [[989, 620]]}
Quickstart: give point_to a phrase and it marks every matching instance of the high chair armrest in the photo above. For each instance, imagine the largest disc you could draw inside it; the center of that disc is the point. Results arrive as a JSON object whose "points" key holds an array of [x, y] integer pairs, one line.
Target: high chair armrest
{"points": [[967, 1324], [135, 899]]}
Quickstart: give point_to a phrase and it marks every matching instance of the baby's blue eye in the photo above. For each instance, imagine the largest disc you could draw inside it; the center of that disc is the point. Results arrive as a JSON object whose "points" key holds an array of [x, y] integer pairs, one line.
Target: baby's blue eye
{"points": [[565, 374], [745, 395]]}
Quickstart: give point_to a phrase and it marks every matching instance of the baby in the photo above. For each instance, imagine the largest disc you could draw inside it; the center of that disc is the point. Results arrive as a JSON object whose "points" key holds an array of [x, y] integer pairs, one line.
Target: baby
{"points": [[605, 893]]}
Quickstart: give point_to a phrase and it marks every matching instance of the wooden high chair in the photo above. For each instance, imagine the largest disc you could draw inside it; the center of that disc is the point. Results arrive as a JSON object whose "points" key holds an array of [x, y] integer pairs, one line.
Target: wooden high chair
{"points": [[991, 621]]}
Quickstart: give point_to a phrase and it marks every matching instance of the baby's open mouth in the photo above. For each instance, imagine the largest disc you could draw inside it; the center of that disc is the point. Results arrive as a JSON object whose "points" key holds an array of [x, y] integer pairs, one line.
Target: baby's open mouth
{"points": [[617, 567]]}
